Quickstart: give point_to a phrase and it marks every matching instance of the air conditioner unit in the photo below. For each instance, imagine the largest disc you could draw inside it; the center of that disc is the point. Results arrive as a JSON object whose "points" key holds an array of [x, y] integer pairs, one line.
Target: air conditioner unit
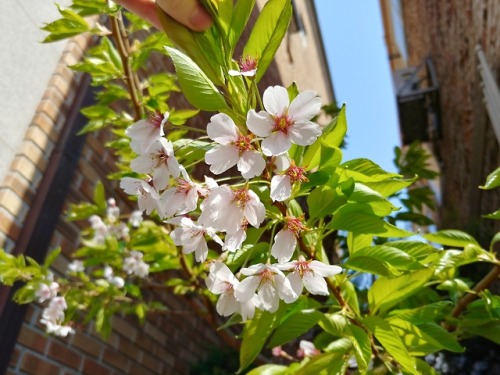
{"points": [[417, 93]]}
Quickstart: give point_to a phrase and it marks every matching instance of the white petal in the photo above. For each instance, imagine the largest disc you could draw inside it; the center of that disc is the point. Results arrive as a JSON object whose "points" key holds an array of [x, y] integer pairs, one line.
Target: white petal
{"points": [[161, 177], [276, 100], [295, 282], [222, 129], [246, 289], [227, 305], [254, 211], [268, 297], [233, 241], [285, 290], [247, 309], [221, 158], [254, 269], [284, 245], [305, 106], [251, 164], [130, 185], [261, 124], [304, 133], [323, 269], [282, 162], [142, 164], [315, 284], [201, 251], [281, 188], [276, 144]]}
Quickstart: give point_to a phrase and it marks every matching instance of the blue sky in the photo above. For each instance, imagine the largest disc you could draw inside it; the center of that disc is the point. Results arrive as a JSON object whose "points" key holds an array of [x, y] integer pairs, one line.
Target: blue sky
{"points": [[354, 43]]}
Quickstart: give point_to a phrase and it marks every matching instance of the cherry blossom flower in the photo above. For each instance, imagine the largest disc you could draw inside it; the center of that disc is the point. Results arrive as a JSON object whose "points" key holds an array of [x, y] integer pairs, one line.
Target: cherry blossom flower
{"points": [[53, 316], [233, 149], [226, 210], [135, 219], [112, 279], [309, 274], [146, 132], [286, 239], [148, 196], [181, 198], [112, 211], [281, 185], [191, 236], [283, 123], [159, 161], [270, 283], [101, 230], [248, 68], [233, 241], [307, 349], [76, 266], [222, 281], [46, 292], [134, 265]]}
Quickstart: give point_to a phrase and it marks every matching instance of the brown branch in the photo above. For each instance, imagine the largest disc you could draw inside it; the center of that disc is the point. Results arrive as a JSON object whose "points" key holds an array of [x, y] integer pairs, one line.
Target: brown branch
{"points": [[123, 49], [480, 286]]}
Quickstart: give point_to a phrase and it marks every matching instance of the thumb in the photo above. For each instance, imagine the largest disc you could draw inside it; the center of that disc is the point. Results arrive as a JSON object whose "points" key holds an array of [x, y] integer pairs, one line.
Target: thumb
{"points": [[188, 12]]}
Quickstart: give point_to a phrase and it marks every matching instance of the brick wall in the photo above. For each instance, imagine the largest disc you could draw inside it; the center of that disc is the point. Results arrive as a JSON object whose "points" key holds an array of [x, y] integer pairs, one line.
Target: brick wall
{"points": [[449, 30], [166, 343]]}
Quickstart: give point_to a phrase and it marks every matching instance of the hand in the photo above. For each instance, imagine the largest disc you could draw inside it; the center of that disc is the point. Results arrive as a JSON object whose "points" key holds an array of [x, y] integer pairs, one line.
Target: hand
{"points": [[188, 12]]}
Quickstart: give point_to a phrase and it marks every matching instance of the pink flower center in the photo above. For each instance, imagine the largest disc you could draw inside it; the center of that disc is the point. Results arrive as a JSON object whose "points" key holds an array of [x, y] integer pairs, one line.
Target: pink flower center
{"points": [[302, 267], [184, 186], [155, 119], [295, 225], [243, 143], [282, 123], [296, 174], [241, 197], [248, 64], [227, 287], [161, 158], [266, 276]]}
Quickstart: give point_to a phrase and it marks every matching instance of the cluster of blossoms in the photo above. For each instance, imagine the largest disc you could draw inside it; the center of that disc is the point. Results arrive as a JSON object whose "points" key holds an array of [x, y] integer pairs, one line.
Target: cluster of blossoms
{"points": [[222, 212], [53, 314]]}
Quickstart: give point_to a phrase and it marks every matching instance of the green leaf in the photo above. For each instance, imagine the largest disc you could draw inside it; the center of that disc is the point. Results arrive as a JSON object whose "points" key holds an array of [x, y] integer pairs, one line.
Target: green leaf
{"points": [[362, 346], [188, 41], [385, 292], [334, 133], [269, 370], [418, 250], [241, 14], [382, 260], [180, 116], [100, 197], [359, 218], [196, 86], [391, 342], [450, 237], [294, 326], [358, 241], [70, 25], [494, 215], [321, 202], [424, 314], [364, 170], [255, 334], [51, 257], [492, 181], [267, 33], [490, 331], [379, 204], [322, 364], [334, 324], [494, 240], [390, 186], [442, 337]]}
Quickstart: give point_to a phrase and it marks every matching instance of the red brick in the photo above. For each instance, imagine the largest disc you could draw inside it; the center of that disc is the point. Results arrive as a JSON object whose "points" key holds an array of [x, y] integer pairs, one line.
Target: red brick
{"points": [[117, 360], [20, 185], [137, 369], [32, 364], [130, 349], [86, 344], [7, 224], [14, 358], [32, 339], [91, 367], [63, 354]]}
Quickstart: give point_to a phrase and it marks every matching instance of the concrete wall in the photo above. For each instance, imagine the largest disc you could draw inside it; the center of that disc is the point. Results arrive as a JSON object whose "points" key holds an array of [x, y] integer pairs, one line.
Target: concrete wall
{"points": [[26, 67]]}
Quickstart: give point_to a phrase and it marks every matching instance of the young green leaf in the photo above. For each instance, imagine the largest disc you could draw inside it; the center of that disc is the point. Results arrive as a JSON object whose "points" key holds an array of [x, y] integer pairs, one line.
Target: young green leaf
{"points": [[69, 25], [450, 237], [334, 134], [196, 86], [267, 34], [391, 342], [241, 14], [294, 326], [493, 180]]}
